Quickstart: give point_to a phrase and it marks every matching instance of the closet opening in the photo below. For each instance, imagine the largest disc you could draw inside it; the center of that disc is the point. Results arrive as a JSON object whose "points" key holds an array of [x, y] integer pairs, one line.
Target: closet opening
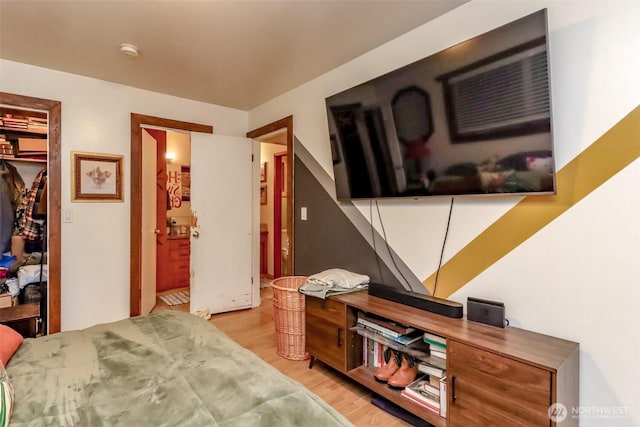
{"points": [[30, 218]]}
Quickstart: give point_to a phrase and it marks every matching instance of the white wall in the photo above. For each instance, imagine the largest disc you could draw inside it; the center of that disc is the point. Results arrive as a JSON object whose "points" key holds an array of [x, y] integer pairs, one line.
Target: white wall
{"points": [[578, 278], [96, 118]]}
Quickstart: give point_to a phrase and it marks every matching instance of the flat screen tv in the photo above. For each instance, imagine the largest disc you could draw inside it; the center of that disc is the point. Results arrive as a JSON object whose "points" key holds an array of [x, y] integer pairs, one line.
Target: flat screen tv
{"points": [[472, 119]]}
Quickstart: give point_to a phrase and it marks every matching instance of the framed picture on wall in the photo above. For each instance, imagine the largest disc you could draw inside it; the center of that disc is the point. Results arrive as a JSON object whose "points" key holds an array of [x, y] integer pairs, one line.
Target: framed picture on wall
{"points": [[263, 194], [263, 172], [96, 177], [283, 176], [185, 172]]}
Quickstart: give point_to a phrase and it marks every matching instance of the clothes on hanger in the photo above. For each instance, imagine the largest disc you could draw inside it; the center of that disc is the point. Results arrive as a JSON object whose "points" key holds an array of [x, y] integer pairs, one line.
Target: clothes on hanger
{"points": [[7, 212], [11, 188], [11, 175], [25, 224], [40, 207]]}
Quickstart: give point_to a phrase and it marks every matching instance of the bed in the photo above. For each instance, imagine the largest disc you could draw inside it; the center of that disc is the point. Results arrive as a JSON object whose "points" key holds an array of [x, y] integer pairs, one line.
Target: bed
{"points": [[164, 369]]}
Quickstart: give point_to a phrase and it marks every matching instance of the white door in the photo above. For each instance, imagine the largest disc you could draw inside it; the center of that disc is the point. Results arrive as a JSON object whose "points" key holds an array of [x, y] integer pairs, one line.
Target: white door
{"points": [[149, 226], [221, 196]]}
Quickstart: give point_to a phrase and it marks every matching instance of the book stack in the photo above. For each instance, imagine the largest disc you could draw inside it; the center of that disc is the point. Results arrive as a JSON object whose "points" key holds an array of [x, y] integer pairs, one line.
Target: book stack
{"points": [[18, 122], [372, 353], [378, 334], [37, 124], [434, 384], [396, 332], [434, 373], [437, 345], [428, 393], [32, 148], [6, 149]]}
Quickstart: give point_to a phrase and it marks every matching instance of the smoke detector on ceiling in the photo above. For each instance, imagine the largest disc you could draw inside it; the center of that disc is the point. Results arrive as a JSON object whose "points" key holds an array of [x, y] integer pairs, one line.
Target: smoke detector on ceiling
{"points": [[129, 49]]}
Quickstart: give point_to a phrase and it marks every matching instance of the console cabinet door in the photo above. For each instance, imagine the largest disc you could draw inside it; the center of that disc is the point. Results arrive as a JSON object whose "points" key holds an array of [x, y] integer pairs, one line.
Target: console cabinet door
{"points": [[487, 389], [325, 323]]}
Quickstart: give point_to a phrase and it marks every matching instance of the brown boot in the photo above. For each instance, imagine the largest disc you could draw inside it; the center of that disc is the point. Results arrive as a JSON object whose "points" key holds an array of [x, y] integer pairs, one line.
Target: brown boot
{"points": [[406, 374], [391, 365]]}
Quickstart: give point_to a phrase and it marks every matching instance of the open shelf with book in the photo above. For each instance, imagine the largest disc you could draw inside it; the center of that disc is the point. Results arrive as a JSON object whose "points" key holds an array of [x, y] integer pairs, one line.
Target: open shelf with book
{"points": [[364, 376], [483, 366], [417, 352], [23, 160], [428, 393], [23, 131], [364, 373], [23, 135], [379, 334]]}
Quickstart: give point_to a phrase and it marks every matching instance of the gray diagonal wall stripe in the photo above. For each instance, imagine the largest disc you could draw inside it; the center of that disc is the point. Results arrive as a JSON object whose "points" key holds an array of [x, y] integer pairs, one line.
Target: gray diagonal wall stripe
{"points": [[336, 234]]}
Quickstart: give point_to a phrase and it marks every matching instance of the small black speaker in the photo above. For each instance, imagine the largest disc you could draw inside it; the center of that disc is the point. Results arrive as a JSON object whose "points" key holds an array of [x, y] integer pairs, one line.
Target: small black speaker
{"points": [[485, 311]]}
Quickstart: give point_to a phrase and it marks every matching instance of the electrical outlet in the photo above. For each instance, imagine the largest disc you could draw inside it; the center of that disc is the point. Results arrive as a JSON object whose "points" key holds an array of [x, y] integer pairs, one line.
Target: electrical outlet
{"points": [[303, 213]]}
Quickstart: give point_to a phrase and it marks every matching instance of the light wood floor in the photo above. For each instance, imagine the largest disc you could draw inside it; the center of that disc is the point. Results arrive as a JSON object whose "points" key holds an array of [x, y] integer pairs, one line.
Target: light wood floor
{"points": [[254, 329]]}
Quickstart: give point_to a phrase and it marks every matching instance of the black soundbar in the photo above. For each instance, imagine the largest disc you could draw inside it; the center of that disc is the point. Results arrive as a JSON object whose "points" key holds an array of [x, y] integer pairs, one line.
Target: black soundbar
{"points": [[414, 299]]}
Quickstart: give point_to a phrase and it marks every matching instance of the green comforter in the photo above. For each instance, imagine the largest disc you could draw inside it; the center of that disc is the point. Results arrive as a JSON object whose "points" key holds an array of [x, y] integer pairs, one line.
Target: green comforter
{"points": [[163, 369]]}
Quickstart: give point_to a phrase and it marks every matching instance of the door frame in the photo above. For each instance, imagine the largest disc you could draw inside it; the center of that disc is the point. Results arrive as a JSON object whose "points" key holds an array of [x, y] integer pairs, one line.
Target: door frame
{"points": [[162, 248], [284, 123], [135, 263], [54, 174], [277, 213]]}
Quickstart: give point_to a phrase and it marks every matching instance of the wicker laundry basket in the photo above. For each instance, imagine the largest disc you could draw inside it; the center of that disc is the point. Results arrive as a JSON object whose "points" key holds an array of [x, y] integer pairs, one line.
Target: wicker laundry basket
{"points": [[288, 316]]}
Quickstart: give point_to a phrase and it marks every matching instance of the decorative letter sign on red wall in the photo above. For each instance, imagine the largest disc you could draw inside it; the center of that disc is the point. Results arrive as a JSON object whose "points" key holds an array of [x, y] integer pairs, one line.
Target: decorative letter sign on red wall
{"points": [[174, 188]]}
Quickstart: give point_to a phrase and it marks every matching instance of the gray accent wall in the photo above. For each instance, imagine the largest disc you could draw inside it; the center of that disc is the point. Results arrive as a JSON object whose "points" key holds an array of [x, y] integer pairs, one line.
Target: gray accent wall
{"points": [[336, 234]]}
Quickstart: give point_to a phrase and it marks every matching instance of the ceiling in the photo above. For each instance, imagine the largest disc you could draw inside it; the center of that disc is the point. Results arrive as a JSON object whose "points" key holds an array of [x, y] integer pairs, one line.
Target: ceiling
{"points": [[235, 53]]}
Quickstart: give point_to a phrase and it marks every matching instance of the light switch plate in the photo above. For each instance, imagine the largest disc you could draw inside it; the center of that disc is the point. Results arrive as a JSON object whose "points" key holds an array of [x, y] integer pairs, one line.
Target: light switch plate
{"points": [[67, 215]]}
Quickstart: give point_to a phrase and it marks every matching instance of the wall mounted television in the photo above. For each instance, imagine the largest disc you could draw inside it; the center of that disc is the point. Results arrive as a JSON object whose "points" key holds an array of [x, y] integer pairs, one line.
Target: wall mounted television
{"points": [[474, 118]]}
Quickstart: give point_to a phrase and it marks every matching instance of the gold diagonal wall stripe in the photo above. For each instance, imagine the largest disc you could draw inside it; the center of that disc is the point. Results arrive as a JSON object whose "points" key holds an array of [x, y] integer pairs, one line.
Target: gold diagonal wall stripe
{"points": [[607, 156]]}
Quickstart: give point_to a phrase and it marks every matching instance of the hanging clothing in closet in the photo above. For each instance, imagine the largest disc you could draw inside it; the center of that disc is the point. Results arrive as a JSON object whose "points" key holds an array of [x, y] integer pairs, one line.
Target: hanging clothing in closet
{"points": [[25, 224], [11, 189], [6, 217]]}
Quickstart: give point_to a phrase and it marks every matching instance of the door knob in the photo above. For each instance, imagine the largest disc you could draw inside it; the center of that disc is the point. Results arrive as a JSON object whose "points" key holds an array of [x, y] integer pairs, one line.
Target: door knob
{"points": [[195, 234], [157, 231]]}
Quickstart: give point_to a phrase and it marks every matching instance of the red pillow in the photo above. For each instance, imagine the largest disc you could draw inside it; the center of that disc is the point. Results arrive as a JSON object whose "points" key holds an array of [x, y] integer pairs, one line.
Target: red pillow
{"points": [[10, 340]]}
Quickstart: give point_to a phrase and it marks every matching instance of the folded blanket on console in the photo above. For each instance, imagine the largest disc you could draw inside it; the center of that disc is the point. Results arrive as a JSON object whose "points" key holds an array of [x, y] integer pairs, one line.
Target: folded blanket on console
{"points": [[334, 281]]}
